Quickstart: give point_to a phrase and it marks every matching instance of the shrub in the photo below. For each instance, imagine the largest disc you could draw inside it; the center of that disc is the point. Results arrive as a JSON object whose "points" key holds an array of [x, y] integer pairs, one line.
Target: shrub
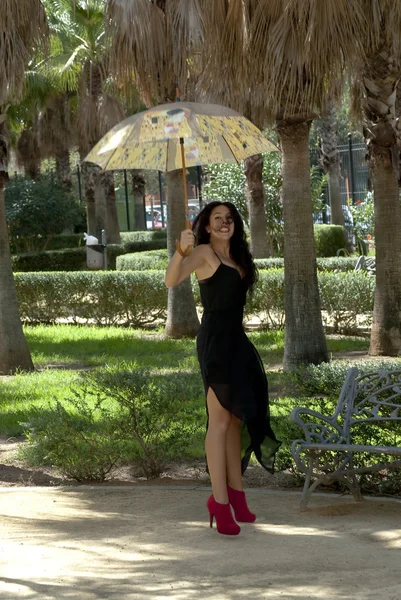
{"points": [[157, 259], [40, 208], [344, 297], [139, 298], [73, 259], [323, 264], [128, 237], [80, 439], [118, 414], [142, 261], [267, 300], [103, 297], [327, 378], [329, 239]]}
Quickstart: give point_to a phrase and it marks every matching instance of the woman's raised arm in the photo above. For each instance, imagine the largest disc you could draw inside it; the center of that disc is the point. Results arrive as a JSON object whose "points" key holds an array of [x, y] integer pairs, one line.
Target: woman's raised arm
{"points": [[179, 268]]}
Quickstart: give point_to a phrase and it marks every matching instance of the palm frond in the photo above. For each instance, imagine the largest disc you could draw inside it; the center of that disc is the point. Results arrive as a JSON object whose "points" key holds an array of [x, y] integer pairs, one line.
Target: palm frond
{"points": [[23, 29], [299, 49], [138, 46]]}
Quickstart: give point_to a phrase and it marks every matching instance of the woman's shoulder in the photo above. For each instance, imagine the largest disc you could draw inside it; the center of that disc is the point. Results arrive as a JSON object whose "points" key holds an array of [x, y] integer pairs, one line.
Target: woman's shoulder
{"points": [[204, 250]]}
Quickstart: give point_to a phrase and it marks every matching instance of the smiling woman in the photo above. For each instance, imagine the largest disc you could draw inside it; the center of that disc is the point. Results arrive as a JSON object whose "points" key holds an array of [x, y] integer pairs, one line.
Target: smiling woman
{"points": [[232, 371]]}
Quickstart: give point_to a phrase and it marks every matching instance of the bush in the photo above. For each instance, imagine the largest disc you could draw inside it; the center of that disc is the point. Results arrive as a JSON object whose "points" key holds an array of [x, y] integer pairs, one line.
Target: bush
{"points": [[83, 442], [329, 239], [118, 414], [142, 261], [327, 378], [322, 385], [157, 259], [323, 264], [73, 259], [38, 209], [128, 237], [344, 297], [138, 299]]}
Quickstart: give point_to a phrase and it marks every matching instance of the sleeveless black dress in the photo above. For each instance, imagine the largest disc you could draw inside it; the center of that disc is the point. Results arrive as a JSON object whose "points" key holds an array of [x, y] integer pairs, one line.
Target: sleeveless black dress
{"points": [[232, 367]]}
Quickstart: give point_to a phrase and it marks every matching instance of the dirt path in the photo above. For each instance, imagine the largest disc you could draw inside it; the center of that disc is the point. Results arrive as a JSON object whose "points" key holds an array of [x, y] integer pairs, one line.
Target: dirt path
{"points": [[155, 544]]}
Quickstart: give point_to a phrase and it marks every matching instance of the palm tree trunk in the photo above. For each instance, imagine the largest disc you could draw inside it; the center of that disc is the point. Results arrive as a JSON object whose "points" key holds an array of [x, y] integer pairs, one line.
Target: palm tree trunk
{"points": [[386, 334], [304, 336], [253, 169], [138, 188], [63, 167], [182, 319], [89, 178], [112, 225], [331, 164], [14, 351], [382, 135]]}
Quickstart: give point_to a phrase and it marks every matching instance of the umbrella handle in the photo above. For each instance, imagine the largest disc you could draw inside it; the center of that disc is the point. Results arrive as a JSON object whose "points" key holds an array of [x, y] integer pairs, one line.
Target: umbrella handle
{"points": [[184, 181]]}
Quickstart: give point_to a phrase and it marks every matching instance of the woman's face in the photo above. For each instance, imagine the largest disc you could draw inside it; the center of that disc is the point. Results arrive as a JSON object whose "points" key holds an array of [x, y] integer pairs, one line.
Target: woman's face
{"points": [[221, 223]]}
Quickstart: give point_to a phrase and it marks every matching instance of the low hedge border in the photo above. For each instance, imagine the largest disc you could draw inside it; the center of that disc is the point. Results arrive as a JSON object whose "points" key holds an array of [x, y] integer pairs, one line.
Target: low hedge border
{"points": [[74, 259], [139, 298], [157, 259]]}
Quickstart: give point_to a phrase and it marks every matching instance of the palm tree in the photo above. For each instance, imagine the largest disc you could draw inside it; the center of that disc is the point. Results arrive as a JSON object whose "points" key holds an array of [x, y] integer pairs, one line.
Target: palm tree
{"points": [[80, 58], [375, 92], [330, 161], [23, 29], [268, 49], [153, 46]]}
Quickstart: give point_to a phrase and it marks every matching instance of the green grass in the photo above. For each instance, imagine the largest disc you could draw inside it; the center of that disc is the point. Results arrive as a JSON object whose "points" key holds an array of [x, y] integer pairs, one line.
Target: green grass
{"points": [[96, 346], [60, 352]]}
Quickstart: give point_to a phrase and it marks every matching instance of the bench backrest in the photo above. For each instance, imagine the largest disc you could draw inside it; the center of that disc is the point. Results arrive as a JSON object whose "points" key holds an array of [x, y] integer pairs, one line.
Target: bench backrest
{"points": [[377, 398]]}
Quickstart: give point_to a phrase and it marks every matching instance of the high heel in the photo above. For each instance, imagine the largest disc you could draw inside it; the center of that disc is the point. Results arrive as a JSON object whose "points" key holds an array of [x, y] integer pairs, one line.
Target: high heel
{"points": [[224, 518], [237, 500]]}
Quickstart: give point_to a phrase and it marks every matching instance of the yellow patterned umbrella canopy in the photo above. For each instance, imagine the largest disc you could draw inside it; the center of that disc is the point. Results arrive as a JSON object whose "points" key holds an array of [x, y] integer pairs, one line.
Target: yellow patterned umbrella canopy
{"points": [[169, 136]]}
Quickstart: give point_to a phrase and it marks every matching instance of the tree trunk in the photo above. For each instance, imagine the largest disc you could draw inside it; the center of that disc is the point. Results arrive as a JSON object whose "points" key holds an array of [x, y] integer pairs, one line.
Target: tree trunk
{"points": [[182, 319], [385, 334], [89, 179], [304, 335], [14, 352], [63, 167], [112, 225], [382, 135], [138, 188], [253, 169], [331, 164]]}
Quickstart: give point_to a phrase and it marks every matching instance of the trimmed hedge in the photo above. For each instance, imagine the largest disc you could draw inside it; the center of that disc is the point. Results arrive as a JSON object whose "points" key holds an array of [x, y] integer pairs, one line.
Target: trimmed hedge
{"points": [[142, 261], [101, 297], [140, 298], [329, 239], [74, 259], [157, 259]]}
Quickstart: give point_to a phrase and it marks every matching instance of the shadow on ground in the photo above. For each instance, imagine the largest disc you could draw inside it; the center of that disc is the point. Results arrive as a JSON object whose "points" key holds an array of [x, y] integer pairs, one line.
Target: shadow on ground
{"points": [[152, 543]]}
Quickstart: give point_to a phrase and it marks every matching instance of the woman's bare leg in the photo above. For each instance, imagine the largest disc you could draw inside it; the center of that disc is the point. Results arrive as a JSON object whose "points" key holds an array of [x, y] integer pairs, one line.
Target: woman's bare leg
{"points": [[233, 454], [215, 445]]}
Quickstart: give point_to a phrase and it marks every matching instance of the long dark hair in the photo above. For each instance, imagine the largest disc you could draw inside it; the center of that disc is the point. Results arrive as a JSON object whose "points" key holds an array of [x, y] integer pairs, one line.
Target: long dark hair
{"points": [[239, 248]]}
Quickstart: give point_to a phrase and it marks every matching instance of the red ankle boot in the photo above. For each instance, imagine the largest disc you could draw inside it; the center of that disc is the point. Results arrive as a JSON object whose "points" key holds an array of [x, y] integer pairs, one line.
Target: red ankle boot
{"points": [[224, 518], [238, 502]]}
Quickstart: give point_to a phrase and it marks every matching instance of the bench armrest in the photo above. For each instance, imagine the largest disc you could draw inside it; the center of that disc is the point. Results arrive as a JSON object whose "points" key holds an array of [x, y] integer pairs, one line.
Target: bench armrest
{"points": [[322, 429]]}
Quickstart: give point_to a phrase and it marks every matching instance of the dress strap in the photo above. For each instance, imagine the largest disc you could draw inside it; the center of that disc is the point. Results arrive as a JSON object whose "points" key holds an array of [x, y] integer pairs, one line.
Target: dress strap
{"points": [[216, 254]]}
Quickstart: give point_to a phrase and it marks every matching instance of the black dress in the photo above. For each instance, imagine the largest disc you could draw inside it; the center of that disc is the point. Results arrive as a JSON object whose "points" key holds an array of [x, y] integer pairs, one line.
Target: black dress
{"points": [[232, 367]]}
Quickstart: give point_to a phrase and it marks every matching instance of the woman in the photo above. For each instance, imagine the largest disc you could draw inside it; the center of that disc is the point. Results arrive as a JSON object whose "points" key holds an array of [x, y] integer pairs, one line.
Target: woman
{"points": [[232, 371]]}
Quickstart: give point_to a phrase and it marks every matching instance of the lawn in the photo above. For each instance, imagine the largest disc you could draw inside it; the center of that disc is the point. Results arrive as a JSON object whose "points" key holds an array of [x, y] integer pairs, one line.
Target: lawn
{"points": [[61, 352]]}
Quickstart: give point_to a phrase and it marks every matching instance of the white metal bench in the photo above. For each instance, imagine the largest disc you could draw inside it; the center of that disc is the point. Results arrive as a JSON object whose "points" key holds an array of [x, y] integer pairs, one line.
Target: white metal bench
{"points": [[326, 453]]}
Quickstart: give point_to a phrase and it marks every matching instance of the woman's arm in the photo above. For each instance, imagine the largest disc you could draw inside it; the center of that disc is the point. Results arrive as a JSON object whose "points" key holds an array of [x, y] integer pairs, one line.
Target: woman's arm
{"points": [[180, 268]]}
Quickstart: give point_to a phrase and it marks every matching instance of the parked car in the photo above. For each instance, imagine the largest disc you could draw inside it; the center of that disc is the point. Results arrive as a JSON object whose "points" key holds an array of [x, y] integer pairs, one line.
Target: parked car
{"points": [[153, 221]]}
